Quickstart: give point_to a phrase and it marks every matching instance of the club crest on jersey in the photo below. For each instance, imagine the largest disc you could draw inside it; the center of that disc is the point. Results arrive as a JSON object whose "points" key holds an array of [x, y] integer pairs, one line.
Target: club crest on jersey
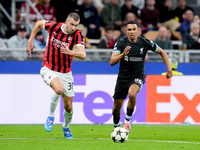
{"points": [[141, 50], [55, 33], [69, 38]]}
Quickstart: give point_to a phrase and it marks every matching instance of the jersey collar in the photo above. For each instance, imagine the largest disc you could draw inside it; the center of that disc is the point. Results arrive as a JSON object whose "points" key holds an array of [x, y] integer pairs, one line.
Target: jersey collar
{"points": [[63, 29]]}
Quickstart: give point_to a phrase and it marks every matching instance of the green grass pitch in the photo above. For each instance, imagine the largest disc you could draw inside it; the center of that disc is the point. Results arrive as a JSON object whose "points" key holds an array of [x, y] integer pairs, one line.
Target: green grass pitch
{"points": [[97, 137]]}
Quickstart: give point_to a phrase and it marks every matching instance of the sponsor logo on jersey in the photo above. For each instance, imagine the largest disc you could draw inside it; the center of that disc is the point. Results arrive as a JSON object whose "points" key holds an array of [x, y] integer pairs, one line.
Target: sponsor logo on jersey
{"points": [[126, 58], [58, 43], [135, 59]]}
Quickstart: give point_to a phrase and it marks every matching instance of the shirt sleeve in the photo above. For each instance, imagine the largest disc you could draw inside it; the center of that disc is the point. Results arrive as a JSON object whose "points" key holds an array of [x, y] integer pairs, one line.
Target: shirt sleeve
{"points": [[118, 47], [48, 24], [152, 45], [79, 38]]}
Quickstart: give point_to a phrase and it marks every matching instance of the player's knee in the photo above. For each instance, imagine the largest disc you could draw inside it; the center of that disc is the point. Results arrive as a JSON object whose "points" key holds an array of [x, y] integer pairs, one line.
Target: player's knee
{"points": [[59, 91], [117, 107], [132, 95]]}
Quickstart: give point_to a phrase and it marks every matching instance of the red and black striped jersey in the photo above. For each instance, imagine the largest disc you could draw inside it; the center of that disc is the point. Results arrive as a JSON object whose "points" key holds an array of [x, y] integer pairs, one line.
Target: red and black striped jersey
{"points": [[53, 58]]}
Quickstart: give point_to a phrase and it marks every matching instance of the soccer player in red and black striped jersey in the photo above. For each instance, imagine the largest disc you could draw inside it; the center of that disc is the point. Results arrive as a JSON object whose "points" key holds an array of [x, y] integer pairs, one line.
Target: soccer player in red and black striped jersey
{"points": [[56, 70]]}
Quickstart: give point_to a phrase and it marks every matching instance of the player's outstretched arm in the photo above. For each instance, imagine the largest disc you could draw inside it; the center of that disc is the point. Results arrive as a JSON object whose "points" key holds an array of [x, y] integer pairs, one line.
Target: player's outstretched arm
{"points": [[164, 56], [38, 25], [81, 54], [116, 57]]}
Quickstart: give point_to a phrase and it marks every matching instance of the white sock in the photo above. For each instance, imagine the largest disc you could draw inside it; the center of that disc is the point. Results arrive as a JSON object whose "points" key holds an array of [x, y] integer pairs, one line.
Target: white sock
{"points": [[54, 102], [67, 117]]}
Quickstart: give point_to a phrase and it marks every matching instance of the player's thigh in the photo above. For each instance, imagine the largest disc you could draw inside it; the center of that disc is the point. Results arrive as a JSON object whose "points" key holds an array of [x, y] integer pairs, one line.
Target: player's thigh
{"points": [[135, 86], [51, 78], [57, 85], [133, 90]]}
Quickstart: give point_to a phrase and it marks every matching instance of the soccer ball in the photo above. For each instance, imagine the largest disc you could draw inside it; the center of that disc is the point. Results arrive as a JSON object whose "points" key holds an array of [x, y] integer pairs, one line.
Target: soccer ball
{"points": [[119, 135]]}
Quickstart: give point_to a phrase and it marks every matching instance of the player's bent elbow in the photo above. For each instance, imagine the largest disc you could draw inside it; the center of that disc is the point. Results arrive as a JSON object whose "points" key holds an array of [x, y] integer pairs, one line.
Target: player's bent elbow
{"points": [[83, 57], [112, 63]]}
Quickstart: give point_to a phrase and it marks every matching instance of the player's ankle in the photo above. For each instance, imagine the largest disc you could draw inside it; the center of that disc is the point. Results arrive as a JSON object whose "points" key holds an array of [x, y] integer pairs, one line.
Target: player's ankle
{"points": [[127, 121], [116, 125]]}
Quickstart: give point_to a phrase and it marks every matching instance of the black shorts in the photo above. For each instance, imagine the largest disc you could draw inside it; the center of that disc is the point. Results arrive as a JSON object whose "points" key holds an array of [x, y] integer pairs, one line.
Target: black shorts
{"points": [[122, 87]]}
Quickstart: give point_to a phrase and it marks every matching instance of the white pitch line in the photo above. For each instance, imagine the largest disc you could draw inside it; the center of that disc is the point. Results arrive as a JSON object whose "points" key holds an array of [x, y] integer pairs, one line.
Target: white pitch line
{"points": [[158, 141]]}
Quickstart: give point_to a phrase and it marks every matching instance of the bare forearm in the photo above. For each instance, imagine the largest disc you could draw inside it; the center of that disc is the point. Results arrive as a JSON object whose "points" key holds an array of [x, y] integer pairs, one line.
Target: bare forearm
{"points": [[36, 28], [115, 59], [80, 55], [166, 60]]}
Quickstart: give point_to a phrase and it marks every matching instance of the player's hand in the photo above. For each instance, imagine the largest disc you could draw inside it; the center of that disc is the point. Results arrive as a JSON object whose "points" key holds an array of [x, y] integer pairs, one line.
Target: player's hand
{"points": [[29, 49], [65, 49], [169, 74], [126, 50]]}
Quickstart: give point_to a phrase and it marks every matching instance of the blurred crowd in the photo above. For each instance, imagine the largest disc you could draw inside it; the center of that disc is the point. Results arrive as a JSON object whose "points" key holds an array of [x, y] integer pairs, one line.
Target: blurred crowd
{"points": [[106, 20]]}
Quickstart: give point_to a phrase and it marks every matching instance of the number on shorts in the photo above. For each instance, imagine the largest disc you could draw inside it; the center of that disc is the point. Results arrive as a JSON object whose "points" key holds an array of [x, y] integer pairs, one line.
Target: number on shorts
{"points": [[70, 85]]}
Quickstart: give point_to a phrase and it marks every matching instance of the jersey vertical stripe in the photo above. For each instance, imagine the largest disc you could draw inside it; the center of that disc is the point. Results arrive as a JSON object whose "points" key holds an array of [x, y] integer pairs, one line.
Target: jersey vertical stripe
{"points": [[67, 56], [60, 55], [79, 38], [50, 43], [71, 47], [56, 50], [61, 62], [53, 58]]}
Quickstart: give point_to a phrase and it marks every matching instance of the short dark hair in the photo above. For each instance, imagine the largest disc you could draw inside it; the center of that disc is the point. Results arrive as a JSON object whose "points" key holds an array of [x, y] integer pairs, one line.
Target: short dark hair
{"points": [[75, 16], [132, 22]]}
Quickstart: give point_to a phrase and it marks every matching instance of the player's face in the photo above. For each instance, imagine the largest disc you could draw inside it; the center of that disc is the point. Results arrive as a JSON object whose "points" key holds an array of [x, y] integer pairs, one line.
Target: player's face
{"points": [[132, 30], [71, 25]]}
